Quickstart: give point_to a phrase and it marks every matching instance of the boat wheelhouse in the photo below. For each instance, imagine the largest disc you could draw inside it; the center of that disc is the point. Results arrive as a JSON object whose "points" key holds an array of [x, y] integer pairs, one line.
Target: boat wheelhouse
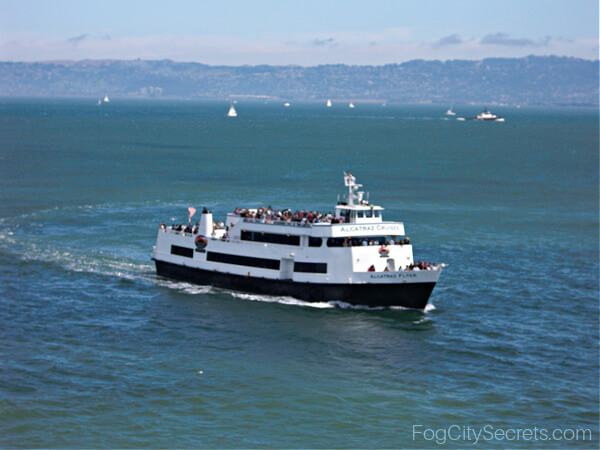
{"points": [[351, 255]]}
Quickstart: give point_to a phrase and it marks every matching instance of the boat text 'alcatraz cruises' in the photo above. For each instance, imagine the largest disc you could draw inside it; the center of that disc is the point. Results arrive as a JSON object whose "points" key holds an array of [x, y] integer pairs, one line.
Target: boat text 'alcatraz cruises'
{"points": [[351, 255]]}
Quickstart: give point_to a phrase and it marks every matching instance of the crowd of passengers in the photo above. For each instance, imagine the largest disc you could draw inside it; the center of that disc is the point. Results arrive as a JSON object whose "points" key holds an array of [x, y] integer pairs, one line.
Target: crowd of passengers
{"points": [[419, 265], [272, 215], [192, 229], [357, 242]]}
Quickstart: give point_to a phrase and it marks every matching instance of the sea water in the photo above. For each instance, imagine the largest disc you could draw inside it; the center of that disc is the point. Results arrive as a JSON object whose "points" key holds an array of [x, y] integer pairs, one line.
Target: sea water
{"points": [[97, 351]]}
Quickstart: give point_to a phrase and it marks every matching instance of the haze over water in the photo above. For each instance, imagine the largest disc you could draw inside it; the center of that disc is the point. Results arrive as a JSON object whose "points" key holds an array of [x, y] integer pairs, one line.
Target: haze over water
{"points": [[97, 351]]}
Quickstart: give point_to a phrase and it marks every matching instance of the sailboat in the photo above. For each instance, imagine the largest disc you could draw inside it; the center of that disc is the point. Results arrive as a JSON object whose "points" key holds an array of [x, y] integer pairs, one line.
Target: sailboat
{"points": [[106, 99], [351, 105], [450, 112], [329, 103], [232, 112]]}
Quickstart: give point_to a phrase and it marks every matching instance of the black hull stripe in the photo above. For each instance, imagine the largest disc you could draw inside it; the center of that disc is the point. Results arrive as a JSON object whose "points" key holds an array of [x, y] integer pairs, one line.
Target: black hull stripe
{"points": [[408, 295]]}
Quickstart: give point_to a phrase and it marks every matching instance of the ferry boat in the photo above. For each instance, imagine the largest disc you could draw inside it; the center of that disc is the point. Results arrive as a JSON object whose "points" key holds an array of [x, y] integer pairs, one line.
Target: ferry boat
{"points": [[487, 115], [351, 255]]}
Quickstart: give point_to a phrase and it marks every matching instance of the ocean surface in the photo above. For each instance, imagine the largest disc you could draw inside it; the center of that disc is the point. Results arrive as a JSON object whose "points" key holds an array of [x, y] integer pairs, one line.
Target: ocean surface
{"points": [[97, 351]]}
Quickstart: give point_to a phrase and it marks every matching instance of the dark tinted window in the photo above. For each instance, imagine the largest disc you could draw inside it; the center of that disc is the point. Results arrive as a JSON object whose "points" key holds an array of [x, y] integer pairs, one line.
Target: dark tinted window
{"points": [[182, 251], [271, 238], [355, 241], [243, 260], [314, 241], [310, 267]]}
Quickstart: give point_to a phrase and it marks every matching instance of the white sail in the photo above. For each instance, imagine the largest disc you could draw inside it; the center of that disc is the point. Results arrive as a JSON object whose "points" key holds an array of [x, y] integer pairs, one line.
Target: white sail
{"points": [[329, 103], [232, 112], [106, 99], [351, 105]]}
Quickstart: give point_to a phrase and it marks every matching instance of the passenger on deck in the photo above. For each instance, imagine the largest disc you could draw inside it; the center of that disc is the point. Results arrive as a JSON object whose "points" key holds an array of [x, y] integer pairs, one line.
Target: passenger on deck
{"points": [[372, 268]]}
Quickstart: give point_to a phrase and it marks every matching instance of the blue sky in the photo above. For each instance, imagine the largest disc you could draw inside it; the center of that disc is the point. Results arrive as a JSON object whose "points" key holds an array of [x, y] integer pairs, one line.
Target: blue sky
{"points": [[303, 32]]}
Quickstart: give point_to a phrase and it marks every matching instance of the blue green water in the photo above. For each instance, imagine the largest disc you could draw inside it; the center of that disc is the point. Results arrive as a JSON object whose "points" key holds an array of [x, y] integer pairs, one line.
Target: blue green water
{"points": [[96, 351]]}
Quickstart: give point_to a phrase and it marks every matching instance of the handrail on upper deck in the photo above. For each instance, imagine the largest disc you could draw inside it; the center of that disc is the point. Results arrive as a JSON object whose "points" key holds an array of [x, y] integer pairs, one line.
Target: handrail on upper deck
{"points": [[279, 222]]}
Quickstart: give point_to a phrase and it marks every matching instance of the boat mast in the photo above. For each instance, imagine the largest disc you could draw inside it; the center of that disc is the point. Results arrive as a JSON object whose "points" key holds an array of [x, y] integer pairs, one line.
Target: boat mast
{"points": [[350, 182]]}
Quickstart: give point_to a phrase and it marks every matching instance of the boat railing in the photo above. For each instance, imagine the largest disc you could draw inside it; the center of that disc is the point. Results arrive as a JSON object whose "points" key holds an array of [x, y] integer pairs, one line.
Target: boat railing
{"points": [[180, 233], [279, 222]]}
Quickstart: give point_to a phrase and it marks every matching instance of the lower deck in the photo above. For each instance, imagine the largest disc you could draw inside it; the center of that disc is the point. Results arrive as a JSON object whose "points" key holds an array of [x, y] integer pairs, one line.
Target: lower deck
{"points": [[409, 295]]}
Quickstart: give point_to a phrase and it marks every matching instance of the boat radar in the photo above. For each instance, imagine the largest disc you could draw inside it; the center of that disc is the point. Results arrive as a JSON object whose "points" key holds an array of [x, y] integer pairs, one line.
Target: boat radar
{"points": [[351, 255]]}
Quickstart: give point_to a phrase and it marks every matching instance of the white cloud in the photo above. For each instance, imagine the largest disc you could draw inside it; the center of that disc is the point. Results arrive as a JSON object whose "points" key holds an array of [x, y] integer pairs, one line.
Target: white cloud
{"points": [[383, 47]]}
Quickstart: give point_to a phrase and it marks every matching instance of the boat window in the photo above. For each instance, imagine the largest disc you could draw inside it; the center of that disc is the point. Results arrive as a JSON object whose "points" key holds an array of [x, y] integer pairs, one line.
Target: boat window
{"points": [[314, 241], [182, 251], [271, 238], [239, 260], [336, 242], [310, 267], [356, 241], [360, 214], [369, 213], [345, 215], [377, 213]]}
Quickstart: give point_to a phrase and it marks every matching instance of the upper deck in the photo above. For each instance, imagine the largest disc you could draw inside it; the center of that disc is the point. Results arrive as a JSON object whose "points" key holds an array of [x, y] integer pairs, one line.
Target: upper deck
{"points": [[353, 217]]}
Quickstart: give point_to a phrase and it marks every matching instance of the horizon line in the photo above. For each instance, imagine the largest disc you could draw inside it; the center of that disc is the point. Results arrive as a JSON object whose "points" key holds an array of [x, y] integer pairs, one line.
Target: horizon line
{"points": [[104, 60]]}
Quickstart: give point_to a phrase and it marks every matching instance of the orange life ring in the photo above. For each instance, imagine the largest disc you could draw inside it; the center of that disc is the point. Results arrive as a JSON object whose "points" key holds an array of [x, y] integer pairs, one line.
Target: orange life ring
{"points": [[201, 242]]}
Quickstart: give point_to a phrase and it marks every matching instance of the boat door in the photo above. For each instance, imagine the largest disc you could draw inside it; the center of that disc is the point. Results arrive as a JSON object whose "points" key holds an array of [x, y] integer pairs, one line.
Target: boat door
{"points": [[391, 265], [287, 269]]}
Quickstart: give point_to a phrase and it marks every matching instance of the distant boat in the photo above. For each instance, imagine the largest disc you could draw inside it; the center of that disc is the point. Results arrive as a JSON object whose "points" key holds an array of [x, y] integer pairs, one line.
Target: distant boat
{"points": [[450, 112], [351, 105], [232, 112], [106, 99], [99, 102], [286, 105], [329, 103], [487, 115]]}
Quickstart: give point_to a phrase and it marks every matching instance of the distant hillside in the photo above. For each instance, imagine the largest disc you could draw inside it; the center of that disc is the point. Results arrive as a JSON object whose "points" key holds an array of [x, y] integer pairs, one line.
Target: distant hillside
{"points": [[532, 80]]}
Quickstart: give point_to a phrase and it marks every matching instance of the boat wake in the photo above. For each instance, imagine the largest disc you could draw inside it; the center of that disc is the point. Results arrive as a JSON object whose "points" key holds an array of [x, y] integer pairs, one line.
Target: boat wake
{"points": [[89, 247]]}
